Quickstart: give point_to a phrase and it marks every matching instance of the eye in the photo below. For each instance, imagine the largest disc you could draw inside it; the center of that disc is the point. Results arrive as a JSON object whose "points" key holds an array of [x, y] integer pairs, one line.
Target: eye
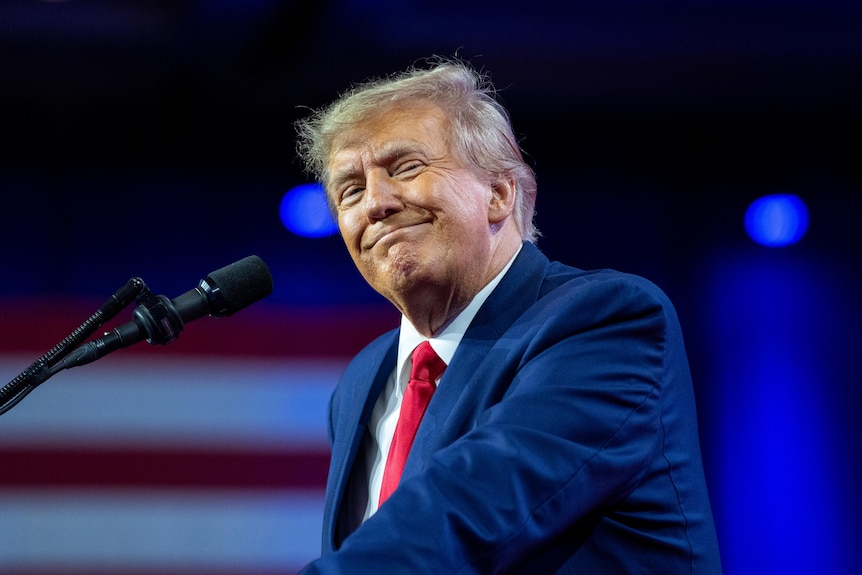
{"points": [[407, 168], [349, 195]]}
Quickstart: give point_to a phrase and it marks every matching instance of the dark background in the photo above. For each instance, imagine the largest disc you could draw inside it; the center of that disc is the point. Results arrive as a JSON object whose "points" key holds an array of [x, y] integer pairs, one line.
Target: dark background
{"points": [[156, 139]]}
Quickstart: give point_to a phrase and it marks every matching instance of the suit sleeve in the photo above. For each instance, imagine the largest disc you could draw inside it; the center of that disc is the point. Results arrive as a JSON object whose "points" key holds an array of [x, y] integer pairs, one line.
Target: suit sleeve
{"points": [[572, 431]]}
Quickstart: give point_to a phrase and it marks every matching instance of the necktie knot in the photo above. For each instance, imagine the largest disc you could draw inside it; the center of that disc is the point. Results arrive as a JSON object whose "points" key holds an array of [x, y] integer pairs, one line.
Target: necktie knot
{"points": [[427, 365]]}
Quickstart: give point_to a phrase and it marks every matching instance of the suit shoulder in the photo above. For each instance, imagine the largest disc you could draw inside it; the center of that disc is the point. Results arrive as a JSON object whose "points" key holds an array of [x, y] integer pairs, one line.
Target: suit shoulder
{"points": [[562, 279], [601, 293]]}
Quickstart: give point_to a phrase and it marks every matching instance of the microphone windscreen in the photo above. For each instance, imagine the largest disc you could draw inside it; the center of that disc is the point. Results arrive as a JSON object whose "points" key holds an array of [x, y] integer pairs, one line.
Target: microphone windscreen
{"points": [[241, 283]]}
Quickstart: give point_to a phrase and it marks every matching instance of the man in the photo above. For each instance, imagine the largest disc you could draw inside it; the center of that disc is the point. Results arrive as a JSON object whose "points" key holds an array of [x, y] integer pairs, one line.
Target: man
{"points": [[561, 436]]}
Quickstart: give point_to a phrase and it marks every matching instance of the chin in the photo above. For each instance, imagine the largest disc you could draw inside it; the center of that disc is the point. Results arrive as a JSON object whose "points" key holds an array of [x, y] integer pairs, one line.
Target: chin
{"points": [[405, 274]]}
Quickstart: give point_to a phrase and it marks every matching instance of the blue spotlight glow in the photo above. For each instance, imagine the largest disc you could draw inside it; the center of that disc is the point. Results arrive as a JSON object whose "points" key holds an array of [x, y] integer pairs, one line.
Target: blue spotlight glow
{"points": [[304, 212], [777, 220], [776, 425]]}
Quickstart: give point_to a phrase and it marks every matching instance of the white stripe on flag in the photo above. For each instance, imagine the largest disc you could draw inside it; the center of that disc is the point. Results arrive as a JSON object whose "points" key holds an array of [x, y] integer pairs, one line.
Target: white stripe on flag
{"points": [[206, 402], [179, 531]]}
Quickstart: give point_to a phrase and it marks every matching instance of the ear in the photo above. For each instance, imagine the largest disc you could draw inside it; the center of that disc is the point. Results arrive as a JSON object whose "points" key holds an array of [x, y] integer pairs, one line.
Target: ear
{"points": [[502, 201]]}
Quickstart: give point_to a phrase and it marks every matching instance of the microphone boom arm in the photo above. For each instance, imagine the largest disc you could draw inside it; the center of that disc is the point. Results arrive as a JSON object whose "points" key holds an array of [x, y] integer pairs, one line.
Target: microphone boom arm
{"points": [[156, 319], [40, 370]]}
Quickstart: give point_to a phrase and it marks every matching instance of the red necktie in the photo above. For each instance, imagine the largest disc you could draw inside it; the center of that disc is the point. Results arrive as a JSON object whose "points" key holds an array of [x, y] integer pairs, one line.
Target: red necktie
{"points": [[427, 367]]}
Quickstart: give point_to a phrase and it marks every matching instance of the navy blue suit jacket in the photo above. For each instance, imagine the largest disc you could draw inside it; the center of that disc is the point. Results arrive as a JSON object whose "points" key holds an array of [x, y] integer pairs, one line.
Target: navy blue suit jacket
{"points": [[562, 439]]}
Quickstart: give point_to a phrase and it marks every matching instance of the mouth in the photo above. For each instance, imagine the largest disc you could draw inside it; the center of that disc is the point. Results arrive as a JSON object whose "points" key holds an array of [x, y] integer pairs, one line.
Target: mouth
{"points": [[389, 233]]}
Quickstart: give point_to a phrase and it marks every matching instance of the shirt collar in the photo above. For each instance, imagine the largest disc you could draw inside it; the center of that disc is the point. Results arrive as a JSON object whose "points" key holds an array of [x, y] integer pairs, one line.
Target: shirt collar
{"points": [[446, 342]]}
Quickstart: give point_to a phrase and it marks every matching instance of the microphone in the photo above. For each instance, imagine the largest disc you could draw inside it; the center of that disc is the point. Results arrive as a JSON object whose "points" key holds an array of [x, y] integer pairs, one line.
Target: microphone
{"points": [[159, 320]]}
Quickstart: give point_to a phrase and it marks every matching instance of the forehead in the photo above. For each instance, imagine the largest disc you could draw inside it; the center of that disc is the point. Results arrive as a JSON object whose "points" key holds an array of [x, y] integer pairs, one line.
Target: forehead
{"points": [[404, 126]]}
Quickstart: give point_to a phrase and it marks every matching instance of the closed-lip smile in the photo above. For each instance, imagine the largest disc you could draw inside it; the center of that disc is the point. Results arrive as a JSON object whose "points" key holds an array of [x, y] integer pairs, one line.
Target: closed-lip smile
{"points": [[382, 232]]}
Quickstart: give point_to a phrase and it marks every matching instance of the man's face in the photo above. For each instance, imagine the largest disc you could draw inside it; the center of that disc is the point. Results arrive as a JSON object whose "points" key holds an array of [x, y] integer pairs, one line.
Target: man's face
{"points": [[415, 218]]}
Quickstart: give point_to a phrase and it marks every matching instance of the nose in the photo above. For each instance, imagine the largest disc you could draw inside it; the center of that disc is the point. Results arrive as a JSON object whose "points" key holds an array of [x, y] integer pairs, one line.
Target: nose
{"points": [[382, 196]]}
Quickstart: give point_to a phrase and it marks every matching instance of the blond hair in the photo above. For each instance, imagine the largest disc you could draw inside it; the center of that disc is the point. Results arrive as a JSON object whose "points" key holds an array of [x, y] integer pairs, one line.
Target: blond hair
{"points": [[481, 128]]}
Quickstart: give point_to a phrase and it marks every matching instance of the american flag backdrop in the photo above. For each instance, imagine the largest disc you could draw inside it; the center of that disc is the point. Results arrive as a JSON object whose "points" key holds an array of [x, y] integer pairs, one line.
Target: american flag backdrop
{"points": [[205, 456]]}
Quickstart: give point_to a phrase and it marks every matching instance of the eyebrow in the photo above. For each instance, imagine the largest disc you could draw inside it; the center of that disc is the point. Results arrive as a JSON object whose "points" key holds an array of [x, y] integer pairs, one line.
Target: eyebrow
{"points": [[338, 177], [388, 152]]}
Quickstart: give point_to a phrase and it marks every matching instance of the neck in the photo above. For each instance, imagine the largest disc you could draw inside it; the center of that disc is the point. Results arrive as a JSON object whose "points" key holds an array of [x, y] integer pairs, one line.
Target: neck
{"points": [[432, 307]]}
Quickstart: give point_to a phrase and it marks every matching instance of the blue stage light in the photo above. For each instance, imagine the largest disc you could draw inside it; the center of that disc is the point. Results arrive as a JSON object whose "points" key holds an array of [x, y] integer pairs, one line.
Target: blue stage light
{"points": [[304, 212], [777, 220]]}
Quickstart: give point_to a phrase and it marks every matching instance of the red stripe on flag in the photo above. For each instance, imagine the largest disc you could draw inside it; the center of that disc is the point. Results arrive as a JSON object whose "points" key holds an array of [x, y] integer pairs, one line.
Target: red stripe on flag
{"points": [[261, 330], [131, 468], [125, 570]]}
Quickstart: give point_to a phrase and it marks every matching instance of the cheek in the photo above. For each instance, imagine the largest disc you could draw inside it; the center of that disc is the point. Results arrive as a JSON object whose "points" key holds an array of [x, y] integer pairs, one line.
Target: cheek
{"points": [[346, 226], [470, 210], [350, 236]]}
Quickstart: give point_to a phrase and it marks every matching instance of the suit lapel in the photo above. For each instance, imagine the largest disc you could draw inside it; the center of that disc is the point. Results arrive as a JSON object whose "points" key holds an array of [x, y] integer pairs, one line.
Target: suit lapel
{"points": [[370, 378], [463, 390]]}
